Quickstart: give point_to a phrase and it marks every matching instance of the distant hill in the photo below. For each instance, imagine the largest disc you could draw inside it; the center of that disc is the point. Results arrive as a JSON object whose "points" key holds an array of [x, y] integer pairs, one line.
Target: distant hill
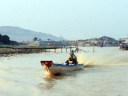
{"points": [[107, 38], [20, 34]]}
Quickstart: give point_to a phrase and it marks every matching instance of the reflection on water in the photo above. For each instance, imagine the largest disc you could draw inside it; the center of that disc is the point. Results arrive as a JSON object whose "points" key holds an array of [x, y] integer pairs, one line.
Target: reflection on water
{"points": [[50, 81]]}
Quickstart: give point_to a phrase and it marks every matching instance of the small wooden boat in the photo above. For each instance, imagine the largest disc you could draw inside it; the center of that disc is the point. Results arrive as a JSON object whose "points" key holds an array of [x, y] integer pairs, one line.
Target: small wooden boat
{"points": [[52, 68]]}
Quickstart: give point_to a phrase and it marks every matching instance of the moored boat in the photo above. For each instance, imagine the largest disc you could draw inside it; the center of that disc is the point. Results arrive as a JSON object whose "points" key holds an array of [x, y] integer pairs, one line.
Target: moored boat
{"points": [[52, 68], [124, 46]]}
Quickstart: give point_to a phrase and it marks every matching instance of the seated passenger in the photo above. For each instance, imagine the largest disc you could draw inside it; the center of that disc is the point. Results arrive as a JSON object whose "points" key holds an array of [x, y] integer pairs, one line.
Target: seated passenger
{"points": [[72, 59]]}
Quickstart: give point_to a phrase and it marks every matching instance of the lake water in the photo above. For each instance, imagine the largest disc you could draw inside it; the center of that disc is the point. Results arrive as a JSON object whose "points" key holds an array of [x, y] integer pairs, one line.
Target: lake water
{"points": [[105, 74]]}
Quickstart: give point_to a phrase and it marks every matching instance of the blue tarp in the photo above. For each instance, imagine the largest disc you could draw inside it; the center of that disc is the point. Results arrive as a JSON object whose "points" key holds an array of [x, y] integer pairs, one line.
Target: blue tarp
{"points": [[43, 43]]}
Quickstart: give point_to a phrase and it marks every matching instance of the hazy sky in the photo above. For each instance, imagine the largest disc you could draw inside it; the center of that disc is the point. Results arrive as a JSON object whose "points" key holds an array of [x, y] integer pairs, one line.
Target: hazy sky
{"points": [[71, 19]]}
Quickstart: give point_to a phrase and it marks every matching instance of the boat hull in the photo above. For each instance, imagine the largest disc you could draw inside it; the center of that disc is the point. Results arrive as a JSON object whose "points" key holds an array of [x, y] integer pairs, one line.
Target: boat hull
{"points": [[122, 48], [52, 68]]}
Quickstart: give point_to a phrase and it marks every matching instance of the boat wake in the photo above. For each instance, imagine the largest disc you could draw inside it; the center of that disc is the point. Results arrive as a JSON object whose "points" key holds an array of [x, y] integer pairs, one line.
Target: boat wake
{"points": [[102, 60]]}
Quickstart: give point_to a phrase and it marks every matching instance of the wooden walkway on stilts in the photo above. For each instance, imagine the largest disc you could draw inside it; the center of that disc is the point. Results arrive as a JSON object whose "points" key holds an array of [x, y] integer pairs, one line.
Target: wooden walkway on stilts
{"points": [[12, 50], [44, 49]]}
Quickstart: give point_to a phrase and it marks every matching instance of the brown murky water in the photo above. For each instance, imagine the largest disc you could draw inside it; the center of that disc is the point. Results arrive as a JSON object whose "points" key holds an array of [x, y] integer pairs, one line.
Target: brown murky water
{"points": [[105, 74]]}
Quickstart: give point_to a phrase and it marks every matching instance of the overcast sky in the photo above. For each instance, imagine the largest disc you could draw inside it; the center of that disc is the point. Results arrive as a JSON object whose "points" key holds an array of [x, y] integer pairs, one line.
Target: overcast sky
{"points": [[71, 19]]}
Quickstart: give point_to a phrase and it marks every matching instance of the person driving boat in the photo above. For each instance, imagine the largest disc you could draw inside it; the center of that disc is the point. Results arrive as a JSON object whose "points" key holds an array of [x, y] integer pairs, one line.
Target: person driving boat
{"points": [[72, 59]]}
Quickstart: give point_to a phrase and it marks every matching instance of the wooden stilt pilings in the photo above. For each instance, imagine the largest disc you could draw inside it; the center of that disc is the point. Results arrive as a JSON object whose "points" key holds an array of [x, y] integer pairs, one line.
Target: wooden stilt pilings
{"points": [[21, 50]]}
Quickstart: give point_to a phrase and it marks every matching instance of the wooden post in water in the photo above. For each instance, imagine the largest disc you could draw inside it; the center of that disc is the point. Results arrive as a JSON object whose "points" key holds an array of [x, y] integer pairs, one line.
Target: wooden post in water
{"points": [[66, 50], [93, 49], [55, 50], [45, 49], [70, 49], [61, 49]]}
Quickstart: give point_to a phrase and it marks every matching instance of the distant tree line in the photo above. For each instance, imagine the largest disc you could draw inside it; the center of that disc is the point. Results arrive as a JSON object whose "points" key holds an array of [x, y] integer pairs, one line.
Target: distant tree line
{"points": [[36, 39], [4, 39]]}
